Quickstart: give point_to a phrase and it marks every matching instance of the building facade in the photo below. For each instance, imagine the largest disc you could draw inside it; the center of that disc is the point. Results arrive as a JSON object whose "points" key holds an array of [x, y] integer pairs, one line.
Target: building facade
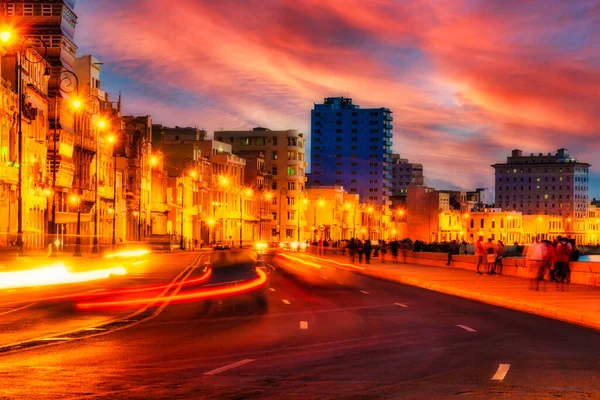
{"points": [[284, 153], [352, 147], [552, 184], [404, 173]]}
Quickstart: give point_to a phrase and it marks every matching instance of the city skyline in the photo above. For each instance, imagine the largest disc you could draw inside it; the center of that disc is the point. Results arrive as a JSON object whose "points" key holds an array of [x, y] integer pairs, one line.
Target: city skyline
{"points": [[529, 82]]}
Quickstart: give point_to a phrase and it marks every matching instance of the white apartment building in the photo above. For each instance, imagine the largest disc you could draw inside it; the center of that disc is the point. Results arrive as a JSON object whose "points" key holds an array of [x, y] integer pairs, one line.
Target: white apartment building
{"points": [[285, 158], [552, 184]]}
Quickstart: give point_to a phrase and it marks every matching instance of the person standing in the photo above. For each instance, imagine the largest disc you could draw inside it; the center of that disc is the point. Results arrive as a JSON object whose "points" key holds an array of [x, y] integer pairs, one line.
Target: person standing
{"points": [[360, 250], [479, 254], [394, 246], [367, 250], [382, 250], [500, 249], [352, 249], [452, 250]]}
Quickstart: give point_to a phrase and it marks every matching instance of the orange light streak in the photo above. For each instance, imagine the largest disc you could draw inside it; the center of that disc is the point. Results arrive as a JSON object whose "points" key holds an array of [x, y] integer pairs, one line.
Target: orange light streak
{"points": [[55, 274], [199, 280], [338, 263], [190, 296], [301, 261]]}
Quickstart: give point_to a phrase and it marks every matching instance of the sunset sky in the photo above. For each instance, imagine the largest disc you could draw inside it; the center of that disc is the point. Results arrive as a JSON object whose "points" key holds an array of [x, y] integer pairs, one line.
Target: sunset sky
{"points": [[467, 80]]}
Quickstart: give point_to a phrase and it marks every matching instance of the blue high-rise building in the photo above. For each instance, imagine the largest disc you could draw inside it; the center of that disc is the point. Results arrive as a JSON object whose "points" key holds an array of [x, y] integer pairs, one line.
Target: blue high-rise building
{"points": [[352, 147]]}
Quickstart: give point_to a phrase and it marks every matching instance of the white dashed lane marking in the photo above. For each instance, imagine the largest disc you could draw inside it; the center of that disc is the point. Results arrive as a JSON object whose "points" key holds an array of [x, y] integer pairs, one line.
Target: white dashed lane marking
{"points": [[401, 305], [466, 328], [271, 289], [363, 292], [230, 366], [501, 372], [285, 301]]}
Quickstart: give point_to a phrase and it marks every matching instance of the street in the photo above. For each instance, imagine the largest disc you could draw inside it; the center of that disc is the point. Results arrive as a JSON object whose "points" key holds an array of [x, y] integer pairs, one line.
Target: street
{"points": [[327, 333]]}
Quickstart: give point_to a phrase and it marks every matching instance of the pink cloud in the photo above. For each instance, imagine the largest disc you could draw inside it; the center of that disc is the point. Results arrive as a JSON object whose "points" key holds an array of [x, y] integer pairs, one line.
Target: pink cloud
{"points": [[475, 78]]}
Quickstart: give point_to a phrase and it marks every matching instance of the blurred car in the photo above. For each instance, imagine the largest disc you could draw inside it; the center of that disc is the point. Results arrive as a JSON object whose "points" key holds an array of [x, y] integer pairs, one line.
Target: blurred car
{"points": [[293, 246], [234, 268], [221, 246]]}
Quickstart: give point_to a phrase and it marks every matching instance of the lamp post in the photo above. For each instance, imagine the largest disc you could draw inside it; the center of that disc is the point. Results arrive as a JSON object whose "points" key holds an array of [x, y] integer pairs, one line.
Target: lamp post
{"points": [[66, 82], [20, 55], [300, 202], [370, 213], [181, 242], [187, 163], [247, 192], [92, 104], [145, 149], [268, 196], [320, 202], [112, 139], [282, 192], [100, 126]]}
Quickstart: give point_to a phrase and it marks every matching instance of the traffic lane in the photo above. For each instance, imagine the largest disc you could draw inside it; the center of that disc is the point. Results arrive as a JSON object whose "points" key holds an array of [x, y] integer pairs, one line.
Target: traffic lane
{"points": [[331, 366], [522, 337], [52, 311], [171, 352]]}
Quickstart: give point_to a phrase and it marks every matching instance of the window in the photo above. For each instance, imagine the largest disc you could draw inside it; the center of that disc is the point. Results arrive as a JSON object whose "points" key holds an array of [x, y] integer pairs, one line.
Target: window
{"points": [[291, 171], [291, 201], [274, 214], [493, 224], [274, 185], [274, 201], [291, 185], [481, 223], [274, 156], [274, 141], [274, 171], [289, 233], [338, 139], [28, 10], [291, 215], [47, 10], [292, 155], [245, 141]]}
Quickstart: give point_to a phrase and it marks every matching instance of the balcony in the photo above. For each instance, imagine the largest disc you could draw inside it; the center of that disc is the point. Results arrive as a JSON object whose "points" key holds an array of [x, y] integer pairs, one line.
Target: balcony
{"points": [[387, 142], [9, 173], [65, 142], [388, 135], [388, 117], [388, 126]]}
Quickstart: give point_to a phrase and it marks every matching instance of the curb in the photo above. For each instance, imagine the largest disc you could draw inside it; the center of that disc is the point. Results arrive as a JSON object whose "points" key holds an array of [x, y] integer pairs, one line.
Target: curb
{"points": [[530, 308]]}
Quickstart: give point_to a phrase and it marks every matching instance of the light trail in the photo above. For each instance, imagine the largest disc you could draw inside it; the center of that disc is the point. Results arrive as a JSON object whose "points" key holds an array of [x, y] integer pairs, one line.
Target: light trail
{"points": [[55, 274], [189, 296], [128, 253]]}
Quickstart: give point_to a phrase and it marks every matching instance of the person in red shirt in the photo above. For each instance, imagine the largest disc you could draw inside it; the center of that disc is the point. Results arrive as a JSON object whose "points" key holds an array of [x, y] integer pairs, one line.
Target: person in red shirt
{"points": [[480, 253]]}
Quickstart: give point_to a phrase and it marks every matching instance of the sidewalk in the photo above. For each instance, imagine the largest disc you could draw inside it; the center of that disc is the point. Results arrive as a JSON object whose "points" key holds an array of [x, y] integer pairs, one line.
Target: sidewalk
{"points": [[578, 304]]}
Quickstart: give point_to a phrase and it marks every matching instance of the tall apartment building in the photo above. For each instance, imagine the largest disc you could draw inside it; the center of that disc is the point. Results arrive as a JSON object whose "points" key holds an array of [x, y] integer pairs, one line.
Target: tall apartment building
{"points": [[404, 173], [285, 158], [352, 147], [553, 184]]}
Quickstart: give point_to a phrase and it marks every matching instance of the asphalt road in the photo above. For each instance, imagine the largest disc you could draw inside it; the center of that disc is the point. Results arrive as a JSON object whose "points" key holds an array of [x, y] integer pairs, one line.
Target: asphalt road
{"points": [[327, 333]]}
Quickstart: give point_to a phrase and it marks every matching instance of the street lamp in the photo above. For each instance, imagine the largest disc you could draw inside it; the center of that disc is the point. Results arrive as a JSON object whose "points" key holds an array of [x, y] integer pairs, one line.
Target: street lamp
{"points": [[282, 192], [92, 104], [112, 140], [300, 202], [66, 82], [244, 192], [101, 125], [20, 55], [370, 211], [187, 163], [146, 148], [268, 196], [320, 202]]}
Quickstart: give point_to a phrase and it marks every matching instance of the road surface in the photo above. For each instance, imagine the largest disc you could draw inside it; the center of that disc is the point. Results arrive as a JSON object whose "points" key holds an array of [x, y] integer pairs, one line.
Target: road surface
{"points": [[327, 333]]}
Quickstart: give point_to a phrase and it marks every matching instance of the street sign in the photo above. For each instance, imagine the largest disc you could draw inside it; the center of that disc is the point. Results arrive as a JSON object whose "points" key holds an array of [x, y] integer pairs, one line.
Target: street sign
{"points": [[321, 227]]}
